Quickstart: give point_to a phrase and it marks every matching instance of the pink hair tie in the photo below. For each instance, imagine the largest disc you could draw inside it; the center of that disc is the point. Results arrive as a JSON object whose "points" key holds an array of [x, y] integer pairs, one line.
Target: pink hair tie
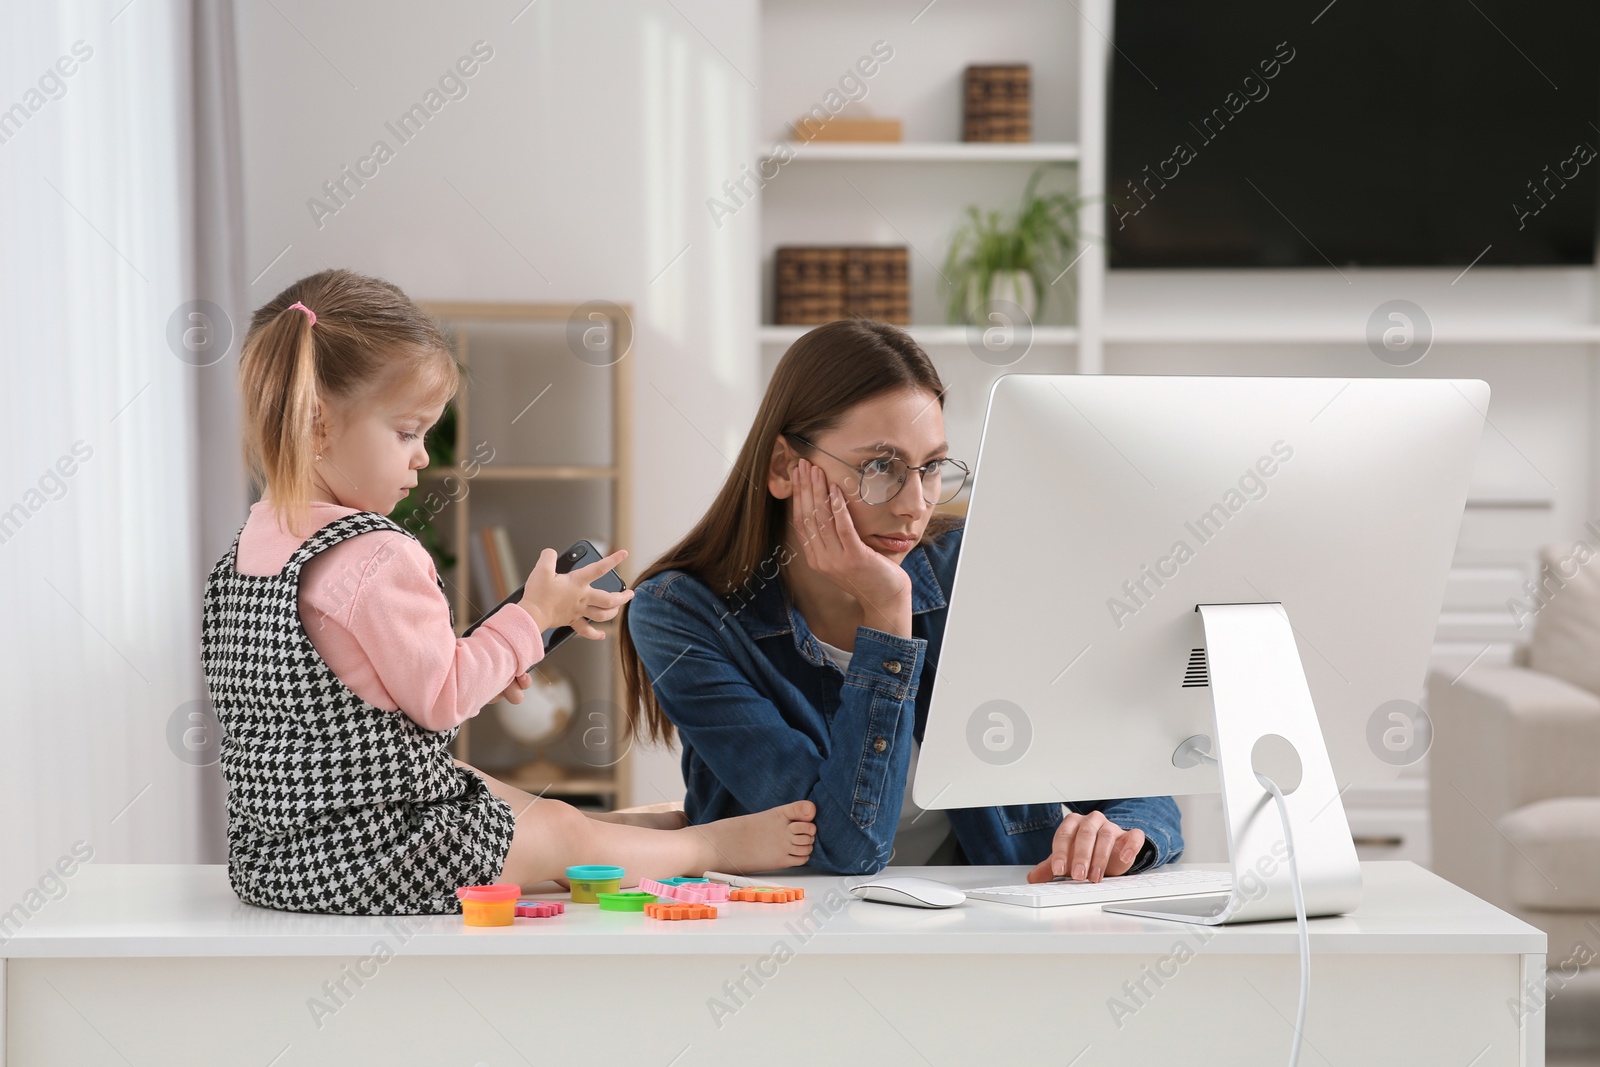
{"points": [[312, 315]]}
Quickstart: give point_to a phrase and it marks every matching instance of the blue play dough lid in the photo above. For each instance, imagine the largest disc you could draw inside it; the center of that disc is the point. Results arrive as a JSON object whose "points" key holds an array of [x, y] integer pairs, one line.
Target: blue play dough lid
{"points": [[593, 873]]}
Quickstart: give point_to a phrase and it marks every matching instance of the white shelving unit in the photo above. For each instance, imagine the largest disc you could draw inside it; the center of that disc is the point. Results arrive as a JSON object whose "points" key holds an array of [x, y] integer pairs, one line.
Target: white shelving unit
{"points": [[929, 336], [916, 192], [927, 152], [913, 192], [511, 355], [1341, 333]]}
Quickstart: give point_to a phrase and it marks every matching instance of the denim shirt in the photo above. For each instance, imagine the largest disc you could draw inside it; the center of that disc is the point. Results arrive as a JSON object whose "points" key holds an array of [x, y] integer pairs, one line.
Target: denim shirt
{"points": [[765, 718]]}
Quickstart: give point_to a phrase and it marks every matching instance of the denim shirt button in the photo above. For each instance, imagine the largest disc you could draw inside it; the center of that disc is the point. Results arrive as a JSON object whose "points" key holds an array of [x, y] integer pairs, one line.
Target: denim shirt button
{"points": [[879, 745], [892, 666]]}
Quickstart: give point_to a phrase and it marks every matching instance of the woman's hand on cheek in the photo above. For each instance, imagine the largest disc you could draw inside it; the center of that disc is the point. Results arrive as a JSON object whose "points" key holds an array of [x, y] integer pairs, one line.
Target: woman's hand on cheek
{"points": [[1089, 847], [833, 548]]}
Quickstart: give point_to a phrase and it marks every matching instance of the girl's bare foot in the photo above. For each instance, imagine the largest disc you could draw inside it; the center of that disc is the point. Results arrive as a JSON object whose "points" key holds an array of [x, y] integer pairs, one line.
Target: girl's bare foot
{"points": [[766, 841]]}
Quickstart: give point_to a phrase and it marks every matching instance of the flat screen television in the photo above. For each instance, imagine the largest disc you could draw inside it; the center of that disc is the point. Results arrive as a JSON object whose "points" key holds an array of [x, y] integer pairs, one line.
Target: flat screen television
{"points": [[1264, 133]]}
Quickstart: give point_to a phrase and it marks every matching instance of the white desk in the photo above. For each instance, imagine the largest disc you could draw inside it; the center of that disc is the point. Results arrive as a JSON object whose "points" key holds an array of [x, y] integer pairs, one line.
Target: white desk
{"points": [[162, 965]]}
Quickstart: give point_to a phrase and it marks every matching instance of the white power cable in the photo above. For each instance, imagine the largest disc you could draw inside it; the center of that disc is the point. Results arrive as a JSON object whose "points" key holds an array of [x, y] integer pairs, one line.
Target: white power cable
{"points": [[1199, 748], [1300, 917]]}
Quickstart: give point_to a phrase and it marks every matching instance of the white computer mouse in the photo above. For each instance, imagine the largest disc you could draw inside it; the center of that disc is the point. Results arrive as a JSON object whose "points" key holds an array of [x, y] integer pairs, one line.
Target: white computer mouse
{"points": [[913, 892]]}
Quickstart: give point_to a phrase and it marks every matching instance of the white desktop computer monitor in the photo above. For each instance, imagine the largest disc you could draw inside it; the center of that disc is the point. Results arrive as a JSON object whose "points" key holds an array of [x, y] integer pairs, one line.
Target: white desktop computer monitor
{"points": [[1258, 562]]}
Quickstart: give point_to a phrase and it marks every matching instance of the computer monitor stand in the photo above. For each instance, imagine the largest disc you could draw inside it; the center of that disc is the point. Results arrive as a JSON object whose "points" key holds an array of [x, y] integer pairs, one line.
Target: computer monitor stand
{"points": [[1264, 720]]}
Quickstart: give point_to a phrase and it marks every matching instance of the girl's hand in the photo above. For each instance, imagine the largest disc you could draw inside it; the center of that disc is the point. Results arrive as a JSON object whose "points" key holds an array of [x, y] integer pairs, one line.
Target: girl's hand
{"points": [[1088, 847], [568, 599], [834, 550], [513, 692]]}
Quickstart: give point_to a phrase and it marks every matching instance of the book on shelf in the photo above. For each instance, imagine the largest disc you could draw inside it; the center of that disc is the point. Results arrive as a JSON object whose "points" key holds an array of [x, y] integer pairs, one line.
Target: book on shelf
{"points": [[846, 130], [494, 565], [511, 576]]}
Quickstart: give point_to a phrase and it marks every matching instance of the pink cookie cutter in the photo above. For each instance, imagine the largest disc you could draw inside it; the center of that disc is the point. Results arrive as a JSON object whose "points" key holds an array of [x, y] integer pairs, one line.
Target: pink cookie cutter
{"points": [[686, 893], [539, 909]]}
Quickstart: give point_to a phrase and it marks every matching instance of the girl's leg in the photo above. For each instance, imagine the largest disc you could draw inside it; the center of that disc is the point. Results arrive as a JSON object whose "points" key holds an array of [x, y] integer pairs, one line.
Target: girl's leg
{"points": [[551, 835], [673, 819]]}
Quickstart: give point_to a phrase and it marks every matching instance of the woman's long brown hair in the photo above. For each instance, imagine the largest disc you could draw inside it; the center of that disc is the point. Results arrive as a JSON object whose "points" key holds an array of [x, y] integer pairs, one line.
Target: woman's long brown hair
{"points": [[820, 378]]}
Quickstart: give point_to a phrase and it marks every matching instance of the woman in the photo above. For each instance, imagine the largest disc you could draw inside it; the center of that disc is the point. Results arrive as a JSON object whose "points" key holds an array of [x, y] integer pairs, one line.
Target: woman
{"points": [[790, 640]]}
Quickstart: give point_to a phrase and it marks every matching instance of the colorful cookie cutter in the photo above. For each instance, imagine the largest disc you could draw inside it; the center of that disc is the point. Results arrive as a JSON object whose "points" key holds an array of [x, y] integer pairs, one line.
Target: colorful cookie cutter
{"points": [[627, 901], [680, 910], [489, 905], [686, 891], [539, 909], [767, 894], [591, 880]]}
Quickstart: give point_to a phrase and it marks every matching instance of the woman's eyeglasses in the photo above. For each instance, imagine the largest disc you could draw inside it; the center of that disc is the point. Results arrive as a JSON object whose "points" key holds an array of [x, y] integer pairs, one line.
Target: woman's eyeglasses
{"points": [[879, 480]]}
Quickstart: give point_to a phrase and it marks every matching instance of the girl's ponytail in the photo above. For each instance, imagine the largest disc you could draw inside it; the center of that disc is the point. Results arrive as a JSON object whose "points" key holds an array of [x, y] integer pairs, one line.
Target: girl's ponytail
{"points": [[283, 364], [338, 336]]}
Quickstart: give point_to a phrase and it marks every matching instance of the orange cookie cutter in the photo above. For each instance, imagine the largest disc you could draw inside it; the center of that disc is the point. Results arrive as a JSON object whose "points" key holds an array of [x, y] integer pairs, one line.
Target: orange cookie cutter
{"points": [[677, 910], [766, 894]]}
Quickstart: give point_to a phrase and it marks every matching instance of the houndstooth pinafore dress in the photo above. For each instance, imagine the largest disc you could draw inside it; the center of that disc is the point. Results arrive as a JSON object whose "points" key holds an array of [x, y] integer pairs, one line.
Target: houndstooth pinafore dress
{"points": [[334, 804]]}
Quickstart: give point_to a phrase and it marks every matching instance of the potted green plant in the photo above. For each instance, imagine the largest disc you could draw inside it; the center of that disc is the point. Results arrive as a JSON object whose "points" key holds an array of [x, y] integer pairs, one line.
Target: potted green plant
{"points": [[998, 257]]}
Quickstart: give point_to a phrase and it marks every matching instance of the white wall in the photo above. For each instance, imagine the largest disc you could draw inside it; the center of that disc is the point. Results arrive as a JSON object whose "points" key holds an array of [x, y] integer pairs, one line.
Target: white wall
{"points": [[575, 168]]}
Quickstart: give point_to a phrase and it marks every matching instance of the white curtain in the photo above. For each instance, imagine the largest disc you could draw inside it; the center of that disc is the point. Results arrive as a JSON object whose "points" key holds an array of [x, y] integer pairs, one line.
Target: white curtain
{"points": [[121, 482]]}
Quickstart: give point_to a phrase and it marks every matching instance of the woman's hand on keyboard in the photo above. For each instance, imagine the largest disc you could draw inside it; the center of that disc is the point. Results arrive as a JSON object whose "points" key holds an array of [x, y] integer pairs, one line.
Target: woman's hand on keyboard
{"points": [[1087, 848]]}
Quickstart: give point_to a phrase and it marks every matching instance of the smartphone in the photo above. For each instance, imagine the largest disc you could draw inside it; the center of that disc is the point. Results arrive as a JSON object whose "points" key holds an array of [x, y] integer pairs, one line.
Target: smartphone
{"points": [[581, 554]]}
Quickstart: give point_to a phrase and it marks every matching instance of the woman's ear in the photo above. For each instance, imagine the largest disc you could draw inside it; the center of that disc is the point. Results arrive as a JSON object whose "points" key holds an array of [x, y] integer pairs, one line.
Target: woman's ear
{"points": [[780, 471]]}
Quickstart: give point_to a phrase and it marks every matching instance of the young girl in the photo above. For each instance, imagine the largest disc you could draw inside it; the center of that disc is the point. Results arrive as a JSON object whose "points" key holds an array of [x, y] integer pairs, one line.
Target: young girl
{"points": [[331, 659]]}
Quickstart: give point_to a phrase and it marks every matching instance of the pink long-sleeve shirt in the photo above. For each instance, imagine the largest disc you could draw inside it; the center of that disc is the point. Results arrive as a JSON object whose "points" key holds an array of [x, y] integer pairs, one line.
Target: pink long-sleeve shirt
{"points": [[372, 608]]}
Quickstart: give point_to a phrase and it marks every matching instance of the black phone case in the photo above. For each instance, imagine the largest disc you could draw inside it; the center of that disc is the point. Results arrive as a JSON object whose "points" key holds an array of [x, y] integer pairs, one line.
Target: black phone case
{"points": [[580, 554]]}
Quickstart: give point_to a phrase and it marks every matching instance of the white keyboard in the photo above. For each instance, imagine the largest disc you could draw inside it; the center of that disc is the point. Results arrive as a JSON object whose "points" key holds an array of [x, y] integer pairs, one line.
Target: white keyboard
{"points": [[1150, 885]]}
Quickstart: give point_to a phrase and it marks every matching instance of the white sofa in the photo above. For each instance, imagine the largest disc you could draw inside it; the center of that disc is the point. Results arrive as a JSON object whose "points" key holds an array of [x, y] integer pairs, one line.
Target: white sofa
{"points": [[1514, 771]]}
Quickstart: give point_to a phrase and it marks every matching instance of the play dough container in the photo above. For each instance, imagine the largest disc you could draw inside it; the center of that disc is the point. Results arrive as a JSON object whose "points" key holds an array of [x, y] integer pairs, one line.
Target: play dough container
{"points": [[588, 882], [628, 901], [489, 905]]}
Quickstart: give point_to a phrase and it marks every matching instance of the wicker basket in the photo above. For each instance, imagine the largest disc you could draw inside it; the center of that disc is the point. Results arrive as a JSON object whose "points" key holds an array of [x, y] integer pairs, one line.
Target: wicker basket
{"points": [[998, 103], [819, 284]]}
